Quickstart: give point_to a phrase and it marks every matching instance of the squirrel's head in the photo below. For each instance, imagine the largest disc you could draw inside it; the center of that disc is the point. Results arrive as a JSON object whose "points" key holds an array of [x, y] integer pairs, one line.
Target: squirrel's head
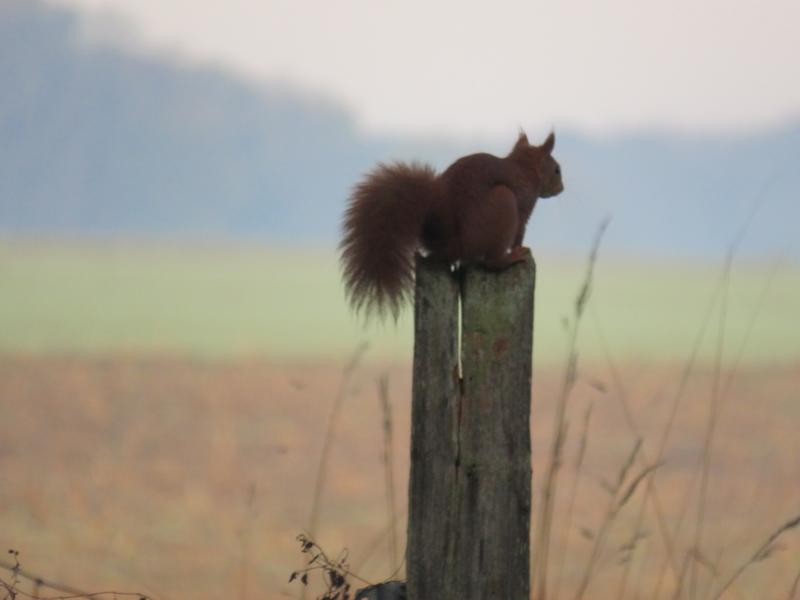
{"points": [[538, 161]]}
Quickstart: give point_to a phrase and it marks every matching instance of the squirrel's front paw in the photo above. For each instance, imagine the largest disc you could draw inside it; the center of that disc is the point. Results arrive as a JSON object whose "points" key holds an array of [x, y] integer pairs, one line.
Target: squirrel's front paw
{"points": [[518, 254]]}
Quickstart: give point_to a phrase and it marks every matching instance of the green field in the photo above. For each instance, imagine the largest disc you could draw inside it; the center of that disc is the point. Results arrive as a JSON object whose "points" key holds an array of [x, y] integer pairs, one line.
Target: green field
{"points": [[229, 301], [164, 408]]}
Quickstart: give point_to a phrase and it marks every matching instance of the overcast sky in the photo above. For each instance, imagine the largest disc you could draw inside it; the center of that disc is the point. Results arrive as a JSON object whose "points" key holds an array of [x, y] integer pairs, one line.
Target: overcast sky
{"points": [[478, 68]]}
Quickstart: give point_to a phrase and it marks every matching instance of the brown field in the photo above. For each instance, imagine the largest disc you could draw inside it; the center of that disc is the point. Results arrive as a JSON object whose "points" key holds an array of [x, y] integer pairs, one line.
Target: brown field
{"points": [[191, 479]]}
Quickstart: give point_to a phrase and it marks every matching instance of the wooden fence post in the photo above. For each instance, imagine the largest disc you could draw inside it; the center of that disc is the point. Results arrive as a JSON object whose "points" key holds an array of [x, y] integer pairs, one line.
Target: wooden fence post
{"points": [[470, 482]]}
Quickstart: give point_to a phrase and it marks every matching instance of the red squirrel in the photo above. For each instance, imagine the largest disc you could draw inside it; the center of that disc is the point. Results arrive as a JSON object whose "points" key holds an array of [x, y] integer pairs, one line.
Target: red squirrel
{"points": [[474, 212]]}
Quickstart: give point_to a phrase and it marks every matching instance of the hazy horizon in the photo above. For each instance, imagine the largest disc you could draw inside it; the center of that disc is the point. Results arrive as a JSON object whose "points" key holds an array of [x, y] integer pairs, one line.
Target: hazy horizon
{"points": [[109, 140], [468, 70]]}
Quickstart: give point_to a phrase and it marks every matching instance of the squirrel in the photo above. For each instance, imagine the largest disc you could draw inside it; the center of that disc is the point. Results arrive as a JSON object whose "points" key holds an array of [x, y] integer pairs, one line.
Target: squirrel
{"points": [[474, 212]]}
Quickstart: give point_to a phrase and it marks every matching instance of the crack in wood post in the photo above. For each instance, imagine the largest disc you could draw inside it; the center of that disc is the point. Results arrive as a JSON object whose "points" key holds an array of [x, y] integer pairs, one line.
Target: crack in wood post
{"points": [[470, 481]]}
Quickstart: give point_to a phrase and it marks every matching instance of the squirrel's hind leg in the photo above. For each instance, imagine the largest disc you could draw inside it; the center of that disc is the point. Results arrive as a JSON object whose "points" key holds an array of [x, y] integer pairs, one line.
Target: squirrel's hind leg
{"points": [[517, 254], [489, 230]]}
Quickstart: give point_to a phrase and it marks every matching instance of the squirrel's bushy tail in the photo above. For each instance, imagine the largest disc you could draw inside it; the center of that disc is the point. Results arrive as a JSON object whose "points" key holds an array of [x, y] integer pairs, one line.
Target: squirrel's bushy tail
{"points": [[381, 232]]}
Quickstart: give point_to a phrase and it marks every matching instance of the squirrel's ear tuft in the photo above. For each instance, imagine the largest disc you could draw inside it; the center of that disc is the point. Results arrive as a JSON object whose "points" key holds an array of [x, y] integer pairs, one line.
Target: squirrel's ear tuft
{"points": [[549, 143], [522, 141]]}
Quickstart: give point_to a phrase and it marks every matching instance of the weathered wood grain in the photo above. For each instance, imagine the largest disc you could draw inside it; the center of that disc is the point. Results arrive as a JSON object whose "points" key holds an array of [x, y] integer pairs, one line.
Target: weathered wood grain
{"points": [[470, 487], [434, 419]]}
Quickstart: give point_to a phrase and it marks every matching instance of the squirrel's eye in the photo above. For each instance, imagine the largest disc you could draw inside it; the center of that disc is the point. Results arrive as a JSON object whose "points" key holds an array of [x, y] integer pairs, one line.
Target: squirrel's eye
{"points": [[558, 170]]}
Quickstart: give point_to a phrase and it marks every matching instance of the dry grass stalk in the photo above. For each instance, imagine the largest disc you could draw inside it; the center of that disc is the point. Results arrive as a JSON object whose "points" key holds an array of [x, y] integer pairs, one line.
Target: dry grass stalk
{"points": [[369, 550], [725, 391], [762, 553], [584, 441], [642, 564], [638, 534], [711, 427], [388, 468], [793, 592], [244, 535], [681, 576], [652, 490], [683, 382], [549, 490], [338, 401], [718, 393], [319, 484], [620, 495]]}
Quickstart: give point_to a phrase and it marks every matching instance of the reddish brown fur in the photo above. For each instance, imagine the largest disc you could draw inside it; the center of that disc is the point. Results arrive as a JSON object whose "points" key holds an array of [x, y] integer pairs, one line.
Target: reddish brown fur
{"points": [[475, 211]]}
